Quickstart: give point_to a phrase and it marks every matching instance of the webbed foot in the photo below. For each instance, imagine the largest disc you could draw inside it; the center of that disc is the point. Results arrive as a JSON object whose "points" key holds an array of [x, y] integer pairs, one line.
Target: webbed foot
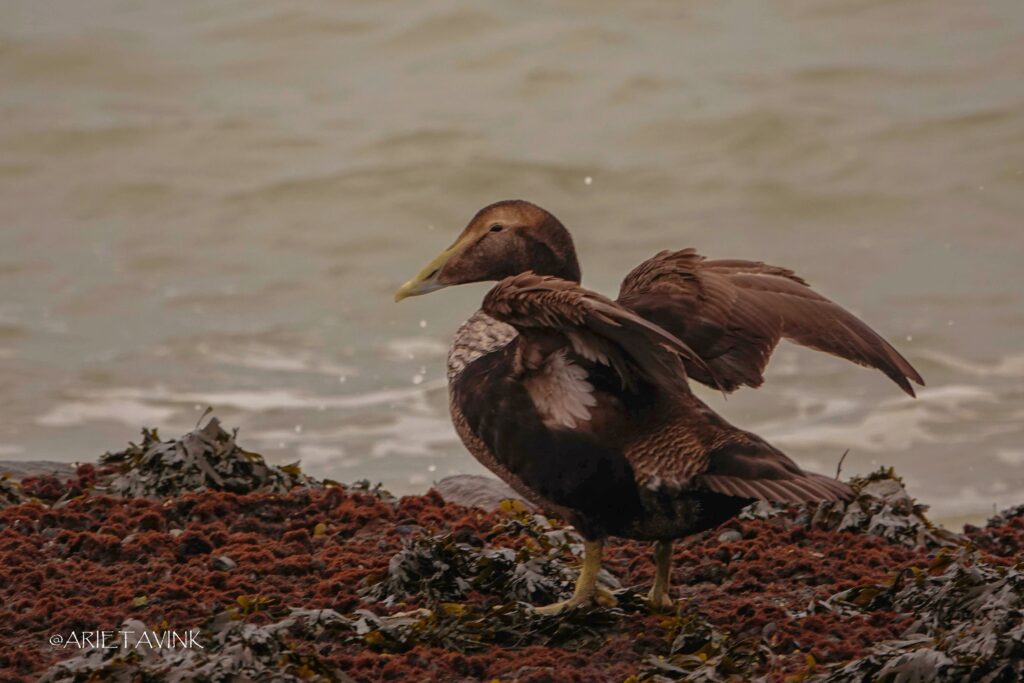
{"points": [[587, 591], [660, 601]]}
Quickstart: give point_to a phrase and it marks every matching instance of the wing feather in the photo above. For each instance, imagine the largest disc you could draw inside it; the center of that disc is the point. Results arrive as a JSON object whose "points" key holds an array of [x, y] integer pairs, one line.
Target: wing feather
{"points": [[694, 448], [733, 313], [595, 327], [756, 469]]}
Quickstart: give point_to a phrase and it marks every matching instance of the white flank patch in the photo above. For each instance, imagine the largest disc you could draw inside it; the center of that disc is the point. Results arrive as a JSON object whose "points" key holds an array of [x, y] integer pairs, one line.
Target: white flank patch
{"points": [[591, 353], [561, 392]]}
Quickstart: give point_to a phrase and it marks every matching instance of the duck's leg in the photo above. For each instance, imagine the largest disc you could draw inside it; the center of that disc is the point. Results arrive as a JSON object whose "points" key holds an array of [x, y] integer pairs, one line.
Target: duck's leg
{"points": [[659, 597], [587, 589]]}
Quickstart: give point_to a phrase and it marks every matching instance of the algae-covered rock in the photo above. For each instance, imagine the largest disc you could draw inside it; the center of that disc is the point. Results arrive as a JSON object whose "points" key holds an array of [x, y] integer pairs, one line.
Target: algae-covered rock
{"points": [[478, 491], [881, 507], [441, 568], [292, 580], [207, 458], [1002, 536]]}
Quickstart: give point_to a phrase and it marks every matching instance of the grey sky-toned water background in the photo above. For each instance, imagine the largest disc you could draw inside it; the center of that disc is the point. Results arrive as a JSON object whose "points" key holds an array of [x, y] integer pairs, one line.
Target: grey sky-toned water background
{"points": [[212, 203]]}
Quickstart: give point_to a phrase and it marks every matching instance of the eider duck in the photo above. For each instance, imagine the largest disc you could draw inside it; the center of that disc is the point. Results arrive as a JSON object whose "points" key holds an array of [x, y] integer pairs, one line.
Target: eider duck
{"points": [[582, 404]]}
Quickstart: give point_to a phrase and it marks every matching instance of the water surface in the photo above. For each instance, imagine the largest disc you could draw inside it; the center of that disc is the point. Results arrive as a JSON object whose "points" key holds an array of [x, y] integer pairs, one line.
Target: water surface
{"points": [[211, 204]]}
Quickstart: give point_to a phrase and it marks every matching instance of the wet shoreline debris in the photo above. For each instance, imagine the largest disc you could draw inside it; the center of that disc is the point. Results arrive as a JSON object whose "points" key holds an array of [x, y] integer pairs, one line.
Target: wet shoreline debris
{"points": [[290, 578]]}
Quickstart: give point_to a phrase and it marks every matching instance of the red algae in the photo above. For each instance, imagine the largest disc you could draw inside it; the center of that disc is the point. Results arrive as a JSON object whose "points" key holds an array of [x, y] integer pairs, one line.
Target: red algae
{"points": [[1002, 539], [98, 560], [315, 582]]}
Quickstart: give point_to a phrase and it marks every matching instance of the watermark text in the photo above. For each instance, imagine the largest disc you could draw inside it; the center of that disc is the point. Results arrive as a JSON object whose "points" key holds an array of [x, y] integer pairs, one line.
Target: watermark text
{"points": [[127, 640]]}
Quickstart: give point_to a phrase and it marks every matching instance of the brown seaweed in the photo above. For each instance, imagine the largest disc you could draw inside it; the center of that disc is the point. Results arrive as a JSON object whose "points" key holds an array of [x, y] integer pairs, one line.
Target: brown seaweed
{"points": [[292, 578], [207, 458]]}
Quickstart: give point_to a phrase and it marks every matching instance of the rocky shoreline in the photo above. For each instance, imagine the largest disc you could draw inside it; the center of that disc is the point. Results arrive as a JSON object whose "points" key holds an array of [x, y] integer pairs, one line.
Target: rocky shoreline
{"points": [[288, 578], [18, 470]]}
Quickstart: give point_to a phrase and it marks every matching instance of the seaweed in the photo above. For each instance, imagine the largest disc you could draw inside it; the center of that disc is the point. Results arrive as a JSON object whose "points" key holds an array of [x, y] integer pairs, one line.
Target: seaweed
{"points": [[442, 568], [228, 649], [207, 458], [881, 507], [289, 579], [1002, 536], [968, 625], [474, 628], [700, 652], [10, 492], [234, 648]]}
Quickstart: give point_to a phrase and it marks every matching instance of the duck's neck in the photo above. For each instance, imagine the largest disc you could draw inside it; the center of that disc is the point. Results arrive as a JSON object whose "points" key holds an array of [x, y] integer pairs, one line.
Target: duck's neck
{"points": [[567, 270], [557, 260]]}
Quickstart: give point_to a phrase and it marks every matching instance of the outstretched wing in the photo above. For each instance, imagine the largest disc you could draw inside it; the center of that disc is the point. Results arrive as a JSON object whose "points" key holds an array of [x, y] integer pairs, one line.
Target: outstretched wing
{"points": [[733, 314], [550, 313]]}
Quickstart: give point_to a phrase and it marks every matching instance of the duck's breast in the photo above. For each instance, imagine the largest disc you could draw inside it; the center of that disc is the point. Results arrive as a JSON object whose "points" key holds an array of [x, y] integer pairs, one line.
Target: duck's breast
{"points": [[478, 336]]}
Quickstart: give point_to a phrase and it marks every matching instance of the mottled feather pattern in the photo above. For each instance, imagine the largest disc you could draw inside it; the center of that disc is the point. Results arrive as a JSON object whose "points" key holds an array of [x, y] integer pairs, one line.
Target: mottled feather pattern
{"points": [[479, 335], [677, 443], [597, 327]]}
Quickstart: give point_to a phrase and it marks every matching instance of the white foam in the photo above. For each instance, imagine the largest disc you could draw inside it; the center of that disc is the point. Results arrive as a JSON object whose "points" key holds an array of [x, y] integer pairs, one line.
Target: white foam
{"points": [[410, 348], [268, 358], [408, 434], [1011, 456], [121, 410], [891, 425], [259, 400], [1009, 366]]}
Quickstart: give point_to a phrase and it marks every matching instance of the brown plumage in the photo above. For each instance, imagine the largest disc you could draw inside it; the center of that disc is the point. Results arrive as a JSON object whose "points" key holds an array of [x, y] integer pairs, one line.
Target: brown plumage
{"points": [[733, 313], [592, 326], [582, 404]]}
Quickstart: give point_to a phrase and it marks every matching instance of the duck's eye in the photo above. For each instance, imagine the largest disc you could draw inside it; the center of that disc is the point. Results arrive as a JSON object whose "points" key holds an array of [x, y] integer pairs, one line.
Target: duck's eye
{"points": [[497, 227]]}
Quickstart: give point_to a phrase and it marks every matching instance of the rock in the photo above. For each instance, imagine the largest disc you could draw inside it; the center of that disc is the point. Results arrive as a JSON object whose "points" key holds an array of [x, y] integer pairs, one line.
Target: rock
{"points": [[473, 490], [729, 536], [224, 563], [36, 468]]}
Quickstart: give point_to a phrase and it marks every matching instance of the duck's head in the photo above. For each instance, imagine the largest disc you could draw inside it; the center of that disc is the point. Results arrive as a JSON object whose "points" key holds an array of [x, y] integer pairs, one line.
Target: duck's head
{"points": [[504, 239]]}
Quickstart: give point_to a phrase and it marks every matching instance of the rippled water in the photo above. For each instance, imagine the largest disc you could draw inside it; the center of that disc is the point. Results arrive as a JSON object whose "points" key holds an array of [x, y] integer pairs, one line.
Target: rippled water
{"points": [[211, 203]]}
